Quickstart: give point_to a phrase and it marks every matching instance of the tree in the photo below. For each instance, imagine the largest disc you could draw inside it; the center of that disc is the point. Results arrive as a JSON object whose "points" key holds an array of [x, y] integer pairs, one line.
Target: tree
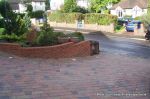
{"points": [[47, 5], [100, 5], [69, 6], [26, 1], [13, 23], [4, 8], [29, 8]]}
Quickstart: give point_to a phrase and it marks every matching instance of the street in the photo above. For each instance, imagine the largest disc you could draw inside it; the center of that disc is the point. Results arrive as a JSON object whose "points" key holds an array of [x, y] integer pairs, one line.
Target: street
{"points": [[121, 45], [110, 43]]}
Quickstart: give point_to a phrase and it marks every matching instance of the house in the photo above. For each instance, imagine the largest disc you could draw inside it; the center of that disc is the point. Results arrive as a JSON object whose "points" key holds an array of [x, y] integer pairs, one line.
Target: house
{"points": [[56, 5], [19, 7], [83, 3], [133, 8]]}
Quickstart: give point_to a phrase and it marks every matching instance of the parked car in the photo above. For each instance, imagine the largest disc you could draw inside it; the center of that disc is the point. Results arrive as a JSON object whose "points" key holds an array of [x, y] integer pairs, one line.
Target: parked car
{"points": [[130, 26]]}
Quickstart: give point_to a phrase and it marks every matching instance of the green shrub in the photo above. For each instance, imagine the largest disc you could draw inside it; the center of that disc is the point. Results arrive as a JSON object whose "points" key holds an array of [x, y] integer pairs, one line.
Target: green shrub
{"points": [[138, 18], [15, 24], [71, 17], [65, 17], [29, 8], [100, 19], [2, 31], [47, 37], [90, 18], [118, 28], [80, 10], [76, 34], [146, 20], [12, 38], [2, 23], [59, 34], [36, 14]]}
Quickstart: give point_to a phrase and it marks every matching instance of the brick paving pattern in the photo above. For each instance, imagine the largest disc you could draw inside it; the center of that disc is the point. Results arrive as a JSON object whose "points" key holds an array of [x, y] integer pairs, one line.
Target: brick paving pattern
{"points": [[105, 76]]}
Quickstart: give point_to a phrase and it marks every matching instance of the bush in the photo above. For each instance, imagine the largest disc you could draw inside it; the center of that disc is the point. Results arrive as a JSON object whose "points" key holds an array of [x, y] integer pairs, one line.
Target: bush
{"points": [[2, 31], [76, 34], [36, 14], [100, 19], [80, 10], [47, 37], [137, 18], [14, 23], [65, 17], [90, 18], [146, 20], [12, 38], [29, 8], [2, 23], [118, 28]]}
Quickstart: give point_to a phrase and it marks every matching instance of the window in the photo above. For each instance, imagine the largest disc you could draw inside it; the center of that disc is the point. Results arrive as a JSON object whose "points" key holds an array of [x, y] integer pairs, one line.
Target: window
{"points": [[41, 3], [120, 13]]}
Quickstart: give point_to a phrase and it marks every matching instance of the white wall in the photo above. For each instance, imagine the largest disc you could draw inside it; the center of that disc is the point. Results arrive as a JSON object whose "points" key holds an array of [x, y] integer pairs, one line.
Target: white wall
{"points": [[113, 12], [38, 6], [128, 12], [22, 8], [135, 12], [56, 4], [83, 3]]}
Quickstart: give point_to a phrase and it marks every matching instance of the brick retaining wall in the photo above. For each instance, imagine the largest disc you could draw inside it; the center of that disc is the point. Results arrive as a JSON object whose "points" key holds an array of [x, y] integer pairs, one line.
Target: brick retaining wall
{"points": [[66, 50]]}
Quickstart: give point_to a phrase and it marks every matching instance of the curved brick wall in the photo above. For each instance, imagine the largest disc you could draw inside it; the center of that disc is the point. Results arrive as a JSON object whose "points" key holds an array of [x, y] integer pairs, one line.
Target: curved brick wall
{"points": [[66, 50]]}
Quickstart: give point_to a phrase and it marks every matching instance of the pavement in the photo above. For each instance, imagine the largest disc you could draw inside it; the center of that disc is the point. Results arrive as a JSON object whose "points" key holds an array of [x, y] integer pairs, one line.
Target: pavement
{"points": [[104, 76]]}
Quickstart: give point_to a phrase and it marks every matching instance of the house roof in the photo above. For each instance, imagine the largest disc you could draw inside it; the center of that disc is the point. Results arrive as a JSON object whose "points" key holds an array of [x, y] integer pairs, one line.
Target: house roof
{"points": [[128, 4], [14, 6]]}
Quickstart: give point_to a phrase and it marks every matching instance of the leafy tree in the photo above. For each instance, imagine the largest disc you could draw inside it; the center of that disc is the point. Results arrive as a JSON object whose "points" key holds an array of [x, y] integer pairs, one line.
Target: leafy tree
{"points": [[26, 1], [4, 8], [29, 8], [13, 23], [47, 3], [69, 6], [100, 5]]}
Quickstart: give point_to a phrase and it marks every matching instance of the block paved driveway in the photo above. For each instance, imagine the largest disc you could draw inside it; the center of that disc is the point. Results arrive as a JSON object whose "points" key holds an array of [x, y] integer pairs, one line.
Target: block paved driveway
{"points": [[104, 76]]}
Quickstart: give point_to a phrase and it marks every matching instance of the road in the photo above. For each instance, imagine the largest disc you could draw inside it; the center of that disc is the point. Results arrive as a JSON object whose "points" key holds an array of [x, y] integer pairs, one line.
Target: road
{"points": [[116, 44], [121, 45]]}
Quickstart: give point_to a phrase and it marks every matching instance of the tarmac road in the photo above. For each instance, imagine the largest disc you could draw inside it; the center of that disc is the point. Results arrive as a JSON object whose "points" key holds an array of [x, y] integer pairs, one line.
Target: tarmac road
{"points": [[116, 44], [121, 45]]}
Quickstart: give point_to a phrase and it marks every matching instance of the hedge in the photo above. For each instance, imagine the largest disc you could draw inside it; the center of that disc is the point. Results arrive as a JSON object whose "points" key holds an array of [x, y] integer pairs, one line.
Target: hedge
{"points": [[65, 17], [90, 18], [100, 19], [36, 14]]}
